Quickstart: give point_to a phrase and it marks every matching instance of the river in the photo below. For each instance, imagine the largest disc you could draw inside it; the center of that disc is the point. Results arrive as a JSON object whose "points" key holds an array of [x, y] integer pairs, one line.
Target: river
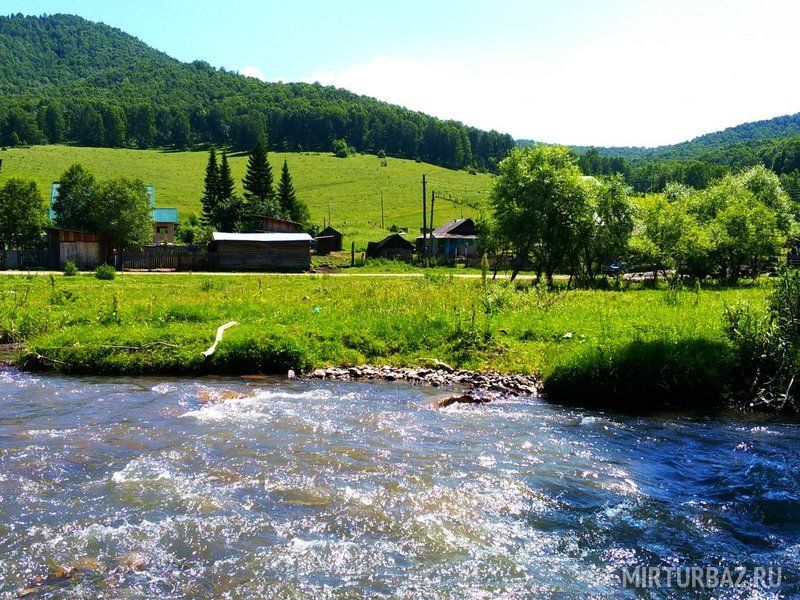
{"points": [[243, 488]]}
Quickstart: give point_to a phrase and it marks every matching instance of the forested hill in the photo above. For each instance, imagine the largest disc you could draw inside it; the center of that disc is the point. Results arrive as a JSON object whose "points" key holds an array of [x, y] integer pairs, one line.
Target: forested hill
{"points": [[63, 78], [752, 133], [773, 143]]}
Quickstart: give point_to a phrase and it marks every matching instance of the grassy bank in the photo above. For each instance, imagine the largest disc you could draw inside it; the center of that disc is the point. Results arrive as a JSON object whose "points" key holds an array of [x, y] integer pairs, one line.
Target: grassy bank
{"points": [[634, 343], [351, 186]]}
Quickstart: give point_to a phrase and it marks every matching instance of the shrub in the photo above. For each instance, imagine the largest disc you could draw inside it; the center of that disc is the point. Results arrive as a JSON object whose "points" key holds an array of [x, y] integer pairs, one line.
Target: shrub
{"points": [[105, 272], [341, 148], [70, 269], [644, 376], [767, 348]]}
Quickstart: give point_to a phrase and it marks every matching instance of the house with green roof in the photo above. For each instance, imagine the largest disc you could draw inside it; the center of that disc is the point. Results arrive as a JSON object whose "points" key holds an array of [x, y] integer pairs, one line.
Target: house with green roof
{"points": [[165, 220]]}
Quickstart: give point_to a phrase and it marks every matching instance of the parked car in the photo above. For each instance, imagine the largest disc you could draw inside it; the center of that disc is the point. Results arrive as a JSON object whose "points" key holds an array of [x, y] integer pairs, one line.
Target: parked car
{"points": [[614, 268]]}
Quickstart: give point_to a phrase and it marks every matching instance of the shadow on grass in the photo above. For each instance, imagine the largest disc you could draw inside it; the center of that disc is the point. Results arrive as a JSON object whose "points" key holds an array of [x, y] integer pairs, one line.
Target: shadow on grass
{"points": [[644, 376]]}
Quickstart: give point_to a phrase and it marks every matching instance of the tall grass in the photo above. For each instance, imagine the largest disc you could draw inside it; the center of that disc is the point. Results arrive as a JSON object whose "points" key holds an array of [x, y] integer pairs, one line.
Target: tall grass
{"points": [[572, 340]]}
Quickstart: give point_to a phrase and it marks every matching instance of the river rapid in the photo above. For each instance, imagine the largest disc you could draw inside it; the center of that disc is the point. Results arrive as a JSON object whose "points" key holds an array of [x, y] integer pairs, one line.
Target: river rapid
{"points": [[246, 488]]}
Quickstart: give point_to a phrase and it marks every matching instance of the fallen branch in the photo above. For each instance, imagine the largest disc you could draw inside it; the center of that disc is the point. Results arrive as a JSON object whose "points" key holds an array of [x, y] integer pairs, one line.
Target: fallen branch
{"points": [[220, 330], [51, 360]]}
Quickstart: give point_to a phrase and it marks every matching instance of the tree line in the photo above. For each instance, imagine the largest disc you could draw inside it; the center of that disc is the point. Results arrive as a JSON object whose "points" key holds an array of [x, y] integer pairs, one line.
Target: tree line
{"points": [[548, 215], [652, 174]]}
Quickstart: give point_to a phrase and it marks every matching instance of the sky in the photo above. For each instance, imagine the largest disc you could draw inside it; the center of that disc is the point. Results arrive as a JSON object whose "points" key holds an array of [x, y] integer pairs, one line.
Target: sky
{"points": [[604, 73]]}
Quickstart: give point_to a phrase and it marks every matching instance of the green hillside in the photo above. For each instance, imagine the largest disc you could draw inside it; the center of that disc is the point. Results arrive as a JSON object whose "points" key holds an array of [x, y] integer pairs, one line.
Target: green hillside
{"points": [[63, 78], [352, 186]]}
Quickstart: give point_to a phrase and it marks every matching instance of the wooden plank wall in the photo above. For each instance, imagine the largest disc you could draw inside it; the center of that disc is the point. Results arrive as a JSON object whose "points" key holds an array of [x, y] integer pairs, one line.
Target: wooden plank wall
{"points": [[166, 258], [263, 256]]}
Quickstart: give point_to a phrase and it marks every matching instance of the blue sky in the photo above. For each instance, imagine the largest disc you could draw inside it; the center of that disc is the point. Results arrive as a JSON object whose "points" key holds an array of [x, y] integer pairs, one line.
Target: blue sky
{"points": [[617, 72]]}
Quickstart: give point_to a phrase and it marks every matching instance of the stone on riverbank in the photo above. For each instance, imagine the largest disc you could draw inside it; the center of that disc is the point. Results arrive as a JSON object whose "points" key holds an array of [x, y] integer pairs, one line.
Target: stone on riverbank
{"points": [[494, 383]]}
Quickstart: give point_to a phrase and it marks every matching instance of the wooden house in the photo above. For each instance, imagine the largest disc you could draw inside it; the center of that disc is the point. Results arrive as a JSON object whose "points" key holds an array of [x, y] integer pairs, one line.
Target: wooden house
{"points": [[394, 247], [261, 251], [454, 239], [276, 225], [87, 250], [165, 221], [323, 244], [337, 238]]}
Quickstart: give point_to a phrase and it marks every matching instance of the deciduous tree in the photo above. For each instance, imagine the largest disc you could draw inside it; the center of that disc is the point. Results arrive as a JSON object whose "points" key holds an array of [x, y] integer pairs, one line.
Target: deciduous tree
{"points": [[22, 214], [76, 193]]}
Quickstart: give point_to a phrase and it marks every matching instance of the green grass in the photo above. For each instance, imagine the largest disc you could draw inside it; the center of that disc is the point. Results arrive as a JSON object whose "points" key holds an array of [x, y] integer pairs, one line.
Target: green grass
{"points": [[351, 185], [162, 323]]}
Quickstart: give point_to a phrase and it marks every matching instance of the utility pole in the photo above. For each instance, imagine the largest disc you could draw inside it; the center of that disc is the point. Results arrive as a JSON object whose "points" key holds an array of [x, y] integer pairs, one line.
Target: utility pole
{"points": [[424, 219], [433, 199]]}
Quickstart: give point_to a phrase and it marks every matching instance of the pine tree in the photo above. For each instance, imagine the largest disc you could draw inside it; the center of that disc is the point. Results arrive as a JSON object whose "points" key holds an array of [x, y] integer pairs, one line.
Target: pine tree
{"points": [[258, 181], [226, 186], [292, 208], [210, 198]]}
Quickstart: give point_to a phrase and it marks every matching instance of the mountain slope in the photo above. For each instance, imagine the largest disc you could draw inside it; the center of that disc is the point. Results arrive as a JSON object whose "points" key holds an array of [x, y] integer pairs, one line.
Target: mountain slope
{"points": [[750, 133], [65, 78]]}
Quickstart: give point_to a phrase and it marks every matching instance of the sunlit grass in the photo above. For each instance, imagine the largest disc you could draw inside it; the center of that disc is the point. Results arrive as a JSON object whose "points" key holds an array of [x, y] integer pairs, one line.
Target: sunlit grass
{"points": [[162, 323], [351, 187]]}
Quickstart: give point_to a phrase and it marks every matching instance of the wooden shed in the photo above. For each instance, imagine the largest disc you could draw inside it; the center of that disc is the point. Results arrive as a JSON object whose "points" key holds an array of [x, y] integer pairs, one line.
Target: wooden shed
{"points": [[336, 235], [87, 250], [394, 247], [261, 251], [276, 225]]}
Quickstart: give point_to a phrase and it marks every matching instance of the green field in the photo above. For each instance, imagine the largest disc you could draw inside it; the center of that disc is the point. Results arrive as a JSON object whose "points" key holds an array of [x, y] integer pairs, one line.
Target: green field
{"points": [[350, 186], [162, 323]]}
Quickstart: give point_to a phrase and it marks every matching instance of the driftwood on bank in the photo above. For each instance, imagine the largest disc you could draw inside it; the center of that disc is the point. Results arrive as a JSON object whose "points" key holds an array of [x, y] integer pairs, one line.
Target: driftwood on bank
{"points": [[220, 330]]}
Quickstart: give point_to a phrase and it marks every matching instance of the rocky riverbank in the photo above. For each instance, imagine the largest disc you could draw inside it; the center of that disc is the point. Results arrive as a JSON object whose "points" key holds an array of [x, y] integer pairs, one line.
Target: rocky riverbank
{"points": [[486, 383]]}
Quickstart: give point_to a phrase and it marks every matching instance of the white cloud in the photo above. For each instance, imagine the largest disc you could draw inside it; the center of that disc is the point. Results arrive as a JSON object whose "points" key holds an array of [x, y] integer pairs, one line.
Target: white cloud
{"points": [[251, 71], [665, 76]]}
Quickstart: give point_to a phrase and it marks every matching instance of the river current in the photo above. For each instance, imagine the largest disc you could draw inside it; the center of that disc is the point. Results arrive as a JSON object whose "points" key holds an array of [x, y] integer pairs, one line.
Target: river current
{"points": [[247, 488]]}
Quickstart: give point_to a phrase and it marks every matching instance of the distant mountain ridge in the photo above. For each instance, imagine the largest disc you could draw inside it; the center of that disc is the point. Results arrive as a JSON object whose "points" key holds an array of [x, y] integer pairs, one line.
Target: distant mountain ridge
{"points": [[63, 77], [746, 133]]}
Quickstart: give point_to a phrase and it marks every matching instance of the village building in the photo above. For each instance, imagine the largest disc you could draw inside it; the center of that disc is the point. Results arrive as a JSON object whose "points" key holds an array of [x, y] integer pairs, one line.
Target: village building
{"points": [[336, 245], [286, 252], [394, 247], [84, 249], [165, 221], [276, 225], [454, 239]]}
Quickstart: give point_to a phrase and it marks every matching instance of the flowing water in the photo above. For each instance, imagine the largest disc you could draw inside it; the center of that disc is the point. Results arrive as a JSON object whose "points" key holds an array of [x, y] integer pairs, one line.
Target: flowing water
{"points": [[140, 487]]}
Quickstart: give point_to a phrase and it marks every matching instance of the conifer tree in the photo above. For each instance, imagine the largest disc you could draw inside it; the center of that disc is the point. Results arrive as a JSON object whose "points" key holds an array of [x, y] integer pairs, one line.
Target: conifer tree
{"points": [[210, 198], [290, 205], [258, 181], [226, 186]]}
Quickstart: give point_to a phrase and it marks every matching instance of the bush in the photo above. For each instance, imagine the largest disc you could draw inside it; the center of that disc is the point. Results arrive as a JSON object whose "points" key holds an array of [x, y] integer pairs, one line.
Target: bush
{"points": [[767, 348], [106, 272], [644, 376], [341, 148], [70, 269]]}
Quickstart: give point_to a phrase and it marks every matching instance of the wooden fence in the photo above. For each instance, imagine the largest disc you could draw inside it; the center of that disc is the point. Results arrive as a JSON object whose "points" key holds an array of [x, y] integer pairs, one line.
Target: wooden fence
{"points": [[24, 260], [166, 258]]}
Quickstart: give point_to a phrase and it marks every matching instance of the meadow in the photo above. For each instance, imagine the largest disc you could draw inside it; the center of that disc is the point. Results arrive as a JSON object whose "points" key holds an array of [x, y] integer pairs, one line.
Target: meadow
{"points": [[351, 187], [161, 324]]}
